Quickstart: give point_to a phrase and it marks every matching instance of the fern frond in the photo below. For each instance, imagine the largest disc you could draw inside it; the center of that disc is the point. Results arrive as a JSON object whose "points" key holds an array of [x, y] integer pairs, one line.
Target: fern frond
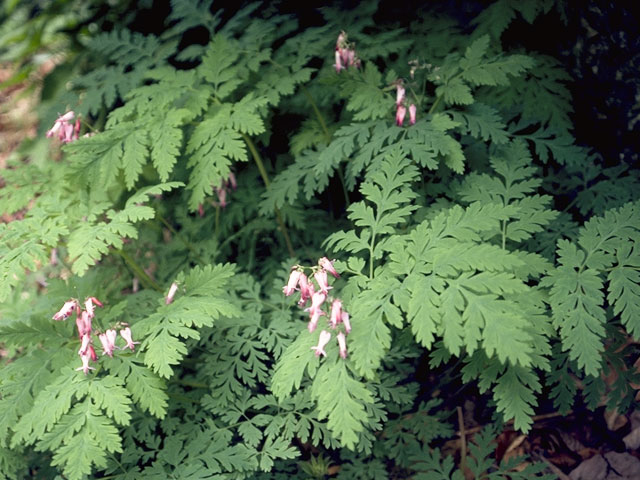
{"points": [[204, 302], [341, 399], [366, 98]]}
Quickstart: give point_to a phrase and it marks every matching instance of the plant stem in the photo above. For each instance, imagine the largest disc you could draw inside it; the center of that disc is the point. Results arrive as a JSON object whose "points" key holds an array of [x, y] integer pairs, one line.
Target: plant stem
{"points": [[217, 228], [371, 246], [435, 104], [328, 137], [265, 179], [146, 280], [314, 105]]}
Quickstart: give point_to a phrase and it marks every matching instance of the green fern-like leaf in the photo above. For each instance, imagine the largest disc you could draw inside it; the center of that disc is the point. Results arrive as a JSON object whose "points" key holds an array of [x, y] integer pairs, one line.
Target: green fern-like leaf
{"points": [[577, 285], [624, 288], [366, 98], [483, 122], [341, 399], [146, 389], [291, 366], [204, 302], [82, 439], [387, 191]]}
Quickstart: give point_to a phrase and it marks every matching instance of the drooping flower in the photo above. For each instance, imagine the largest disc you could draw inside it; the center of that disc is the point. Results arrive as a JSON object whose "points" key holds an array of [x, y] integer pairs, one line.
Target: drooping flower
{"points": [[338, 64], [351, 57], [306, 289], [89, 305], [412, 114], [290, 287], [67, 132], [85, 362], [222, 196], [317, 299], [60, 122], [231, 181], [345, 320], [83, 322], [108, 340], [336, 313], [327, 264], [321, 278], [172, 291], [310, 291], [322, 342], [400, 114], [76, 129], [399, 94], [90, 309], [345, 54], [342, 342], [86, 340], [126, 334], [313, 321], [66, 310]]}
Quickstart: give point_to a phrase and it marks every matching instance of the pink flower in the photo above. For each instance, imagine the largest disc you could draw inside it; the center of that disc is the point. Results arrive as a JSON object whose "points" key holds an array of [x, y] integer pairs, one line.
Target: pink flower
{"points": [[345, 54], [172, 291], [126, 334], [231, 181], [66, 310], [92, 354], [313, 321], [317, 299], [86, 340], [345, 320], [83, 322], [88, 305], [322, 342], [76, 129], [338, 63], [66, 131], [61, 121], [399, 94], [309, 294], [327, 264], [108, 340], [85, 363], [336, 313], [306, 289], [321, 278], [342, 342], [222, 196], [290, 287], [400, 113], [412, 114]]}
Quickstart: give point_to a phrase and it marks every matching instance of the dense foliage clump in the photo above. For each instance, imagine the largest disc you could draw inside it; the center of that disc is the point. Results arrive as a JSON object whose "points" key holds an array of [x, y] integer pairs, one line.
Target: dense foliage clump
{"points": [[184, 176]]}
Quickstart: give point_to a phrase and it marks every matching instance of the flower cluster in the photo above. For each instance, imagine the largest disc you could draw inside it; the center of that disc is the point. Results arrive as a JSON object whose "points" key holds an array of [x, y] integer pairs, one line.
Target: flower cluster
{"points": [[84, 320], [401, 107], [66, 131], [308, 291], [345, 54]]}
